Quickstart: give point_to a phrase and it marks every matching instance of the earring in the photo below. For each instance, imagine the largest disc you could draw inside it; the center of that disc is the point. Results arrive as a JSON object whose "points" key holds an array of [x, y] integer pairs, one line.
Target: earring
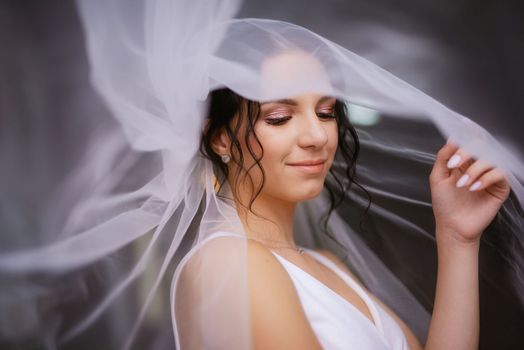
{"points": [[225, 158]]}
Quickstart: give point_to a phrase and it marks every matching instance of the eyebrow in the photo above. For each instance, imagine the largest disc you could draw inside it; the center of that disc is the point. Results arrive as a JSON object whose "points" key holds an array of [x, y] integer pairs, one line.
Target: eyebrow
{"points": [[291, 102], [285, 101]]}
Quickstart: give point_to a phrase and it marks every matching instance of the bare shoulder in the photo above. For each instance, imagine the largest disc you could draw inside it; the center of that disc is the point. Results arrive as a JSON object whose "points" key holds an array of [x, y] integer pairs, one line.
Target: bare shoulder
{"points": [[278, 319], [412, 340]]}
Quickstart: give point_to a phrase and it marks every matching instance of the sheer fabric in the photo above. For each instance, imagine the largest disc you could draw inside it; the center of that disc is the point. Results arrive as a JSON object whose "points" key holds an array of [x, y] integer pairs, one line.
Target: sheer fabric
{"points": [[154, 63]]}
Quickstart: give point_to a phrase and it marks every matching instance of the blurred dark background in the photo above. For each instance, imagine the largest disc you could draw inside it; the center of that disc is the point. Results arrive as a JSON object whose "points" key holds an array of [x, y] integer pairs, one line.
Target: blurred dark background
{"points": [[467, 54]]}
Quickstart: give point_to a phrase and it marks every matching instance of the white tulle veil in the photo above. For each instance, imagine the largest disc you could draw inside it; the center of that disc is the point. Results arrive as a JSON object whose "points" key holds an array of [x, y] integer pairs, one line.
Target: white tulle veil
{"points": [[149, 213]]}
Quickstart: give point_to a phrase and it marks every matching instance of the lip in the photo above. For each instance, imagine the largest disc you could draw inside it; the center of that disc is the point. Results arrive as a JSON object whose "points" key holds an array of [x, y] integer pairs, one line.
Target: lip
{"points": [[315, 166]]}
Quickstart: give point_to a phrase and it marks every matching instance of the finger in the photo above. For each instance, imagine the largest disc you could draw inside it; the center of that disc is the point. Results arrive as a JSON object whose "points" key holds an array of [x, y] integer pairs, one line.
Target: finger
{"points": [[488, 179], [472, 172], [440, 170], [457, 172], [464, 166], [458, 159], [459, 162]]}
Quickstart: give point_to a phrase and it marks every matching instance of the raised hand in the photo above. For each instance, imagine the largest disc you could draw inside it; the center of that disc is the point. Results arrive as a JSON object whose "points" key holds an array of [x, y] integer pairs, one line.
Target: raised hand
{"points": [[466, 193]]}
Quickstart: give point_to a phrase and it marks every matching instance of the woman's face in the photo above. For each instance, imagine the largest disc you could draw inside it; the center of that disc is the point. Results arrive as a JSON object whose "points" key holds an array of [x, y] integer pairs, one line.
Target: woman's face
{"points": [[299, 137]]}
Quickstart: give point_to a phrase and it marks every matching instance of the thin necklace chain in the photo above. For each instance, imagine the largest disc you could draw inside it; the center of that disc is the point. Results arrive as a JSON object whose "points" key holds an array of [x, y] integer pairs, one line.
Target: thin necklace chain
{"points": [[298, 249]]}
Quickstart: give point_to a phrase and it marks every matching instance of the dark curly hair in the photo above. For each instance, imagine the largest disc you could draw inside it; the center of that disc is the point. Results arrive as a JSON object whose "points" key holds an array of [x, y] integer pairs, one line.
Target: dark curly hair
{"points": [[224, 104]]}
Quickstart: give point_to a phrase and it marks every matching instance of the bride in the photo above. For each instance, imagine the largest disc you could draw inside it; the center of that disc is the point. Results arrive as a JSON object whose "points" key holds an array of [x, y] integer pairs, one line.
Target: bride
{"points": [[233, 170], [276, 154]]}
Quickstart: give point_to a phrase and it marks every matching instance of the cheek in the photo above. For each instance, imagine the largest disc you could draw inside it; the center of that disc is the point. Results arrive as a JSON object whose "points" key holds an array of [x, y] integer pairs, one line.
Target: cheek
{"points": [[275, 147], [332, 139], [275, 143]]}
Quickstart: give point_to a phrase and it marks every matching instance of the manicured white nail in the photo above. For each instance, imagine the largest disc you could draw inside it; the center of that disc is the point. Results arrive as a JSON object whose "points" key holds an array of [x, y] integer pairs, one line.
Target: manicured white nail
{"points": [[475, 186], [462, 181], [453, 161]]}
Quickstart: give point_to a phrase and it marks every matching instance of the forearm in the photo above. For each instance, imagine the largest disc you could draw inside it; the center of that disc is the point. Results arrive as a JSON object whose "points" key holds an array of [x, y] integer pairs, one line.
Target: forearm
{"points": [[455, 320]]}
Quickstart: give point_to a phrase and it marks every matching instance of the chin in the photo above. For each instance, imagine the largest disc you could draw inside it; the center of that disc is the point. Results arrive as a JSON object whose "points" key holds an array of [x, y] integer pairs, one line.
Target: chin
{"points": [[305, 193]]}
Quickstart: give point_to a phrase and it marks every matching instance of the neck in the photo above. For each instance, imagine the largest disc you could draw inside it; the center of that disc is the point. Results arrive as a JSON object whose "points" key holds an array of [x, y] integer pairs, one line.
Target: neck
{"points": [[269, 220]]}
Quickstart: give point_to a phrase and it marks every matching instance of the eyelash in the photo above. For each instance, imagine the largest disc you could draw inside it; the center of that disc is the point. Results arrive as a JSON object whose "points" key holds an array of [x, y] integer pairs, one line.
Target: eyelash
{"points": [[280, 121], [277, 121], [327, 115]]}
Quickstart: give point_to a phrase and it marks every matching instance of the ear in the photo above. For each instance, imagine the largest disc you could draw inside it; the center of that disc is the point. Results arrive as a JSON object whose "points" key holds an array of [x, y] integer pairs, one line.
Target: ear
{"points": [[221, 143]]}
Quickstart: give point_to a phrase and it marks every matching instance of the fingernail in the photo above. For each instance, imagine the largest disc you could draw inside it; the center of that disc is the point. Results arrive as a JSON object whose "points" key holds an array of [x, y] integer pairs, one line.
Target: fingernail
{"points": [[453, 161], [462, 181], [475, 186]]}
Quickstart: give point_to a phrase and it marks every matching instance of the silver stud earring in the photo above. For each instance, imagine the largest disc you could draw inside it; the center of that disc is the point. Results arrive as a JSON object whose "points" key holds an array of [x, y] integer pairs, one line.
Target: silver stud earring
{"points": [[225, 158]]}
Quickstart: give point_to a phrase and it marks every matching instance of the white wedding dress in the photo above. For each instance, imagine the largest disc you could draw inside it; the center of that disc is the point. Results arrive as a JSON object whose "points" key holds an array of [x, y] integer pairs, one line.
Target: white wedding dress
{"points": [[336, 322]]}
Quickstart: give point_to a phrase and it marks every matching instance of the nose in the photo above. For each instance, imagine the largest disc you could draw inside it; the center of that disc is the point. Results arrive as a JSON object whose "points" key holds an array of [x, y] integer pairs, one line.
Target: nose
{"points": [[313, 132]]}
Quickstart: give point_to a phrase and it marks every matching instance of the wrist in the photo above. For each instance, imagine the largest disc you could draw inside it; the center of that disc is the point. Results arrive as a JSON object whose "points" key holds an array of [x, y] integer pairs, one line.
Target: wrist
{"points": [[449, 238]]}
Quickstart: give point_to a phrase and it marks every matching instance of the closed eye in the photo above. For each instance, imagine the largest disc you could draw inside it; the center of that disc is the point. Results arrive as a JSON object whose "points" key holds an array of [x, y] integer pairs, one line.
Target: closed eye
{"points": [[326, 116], [277, 121]]}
